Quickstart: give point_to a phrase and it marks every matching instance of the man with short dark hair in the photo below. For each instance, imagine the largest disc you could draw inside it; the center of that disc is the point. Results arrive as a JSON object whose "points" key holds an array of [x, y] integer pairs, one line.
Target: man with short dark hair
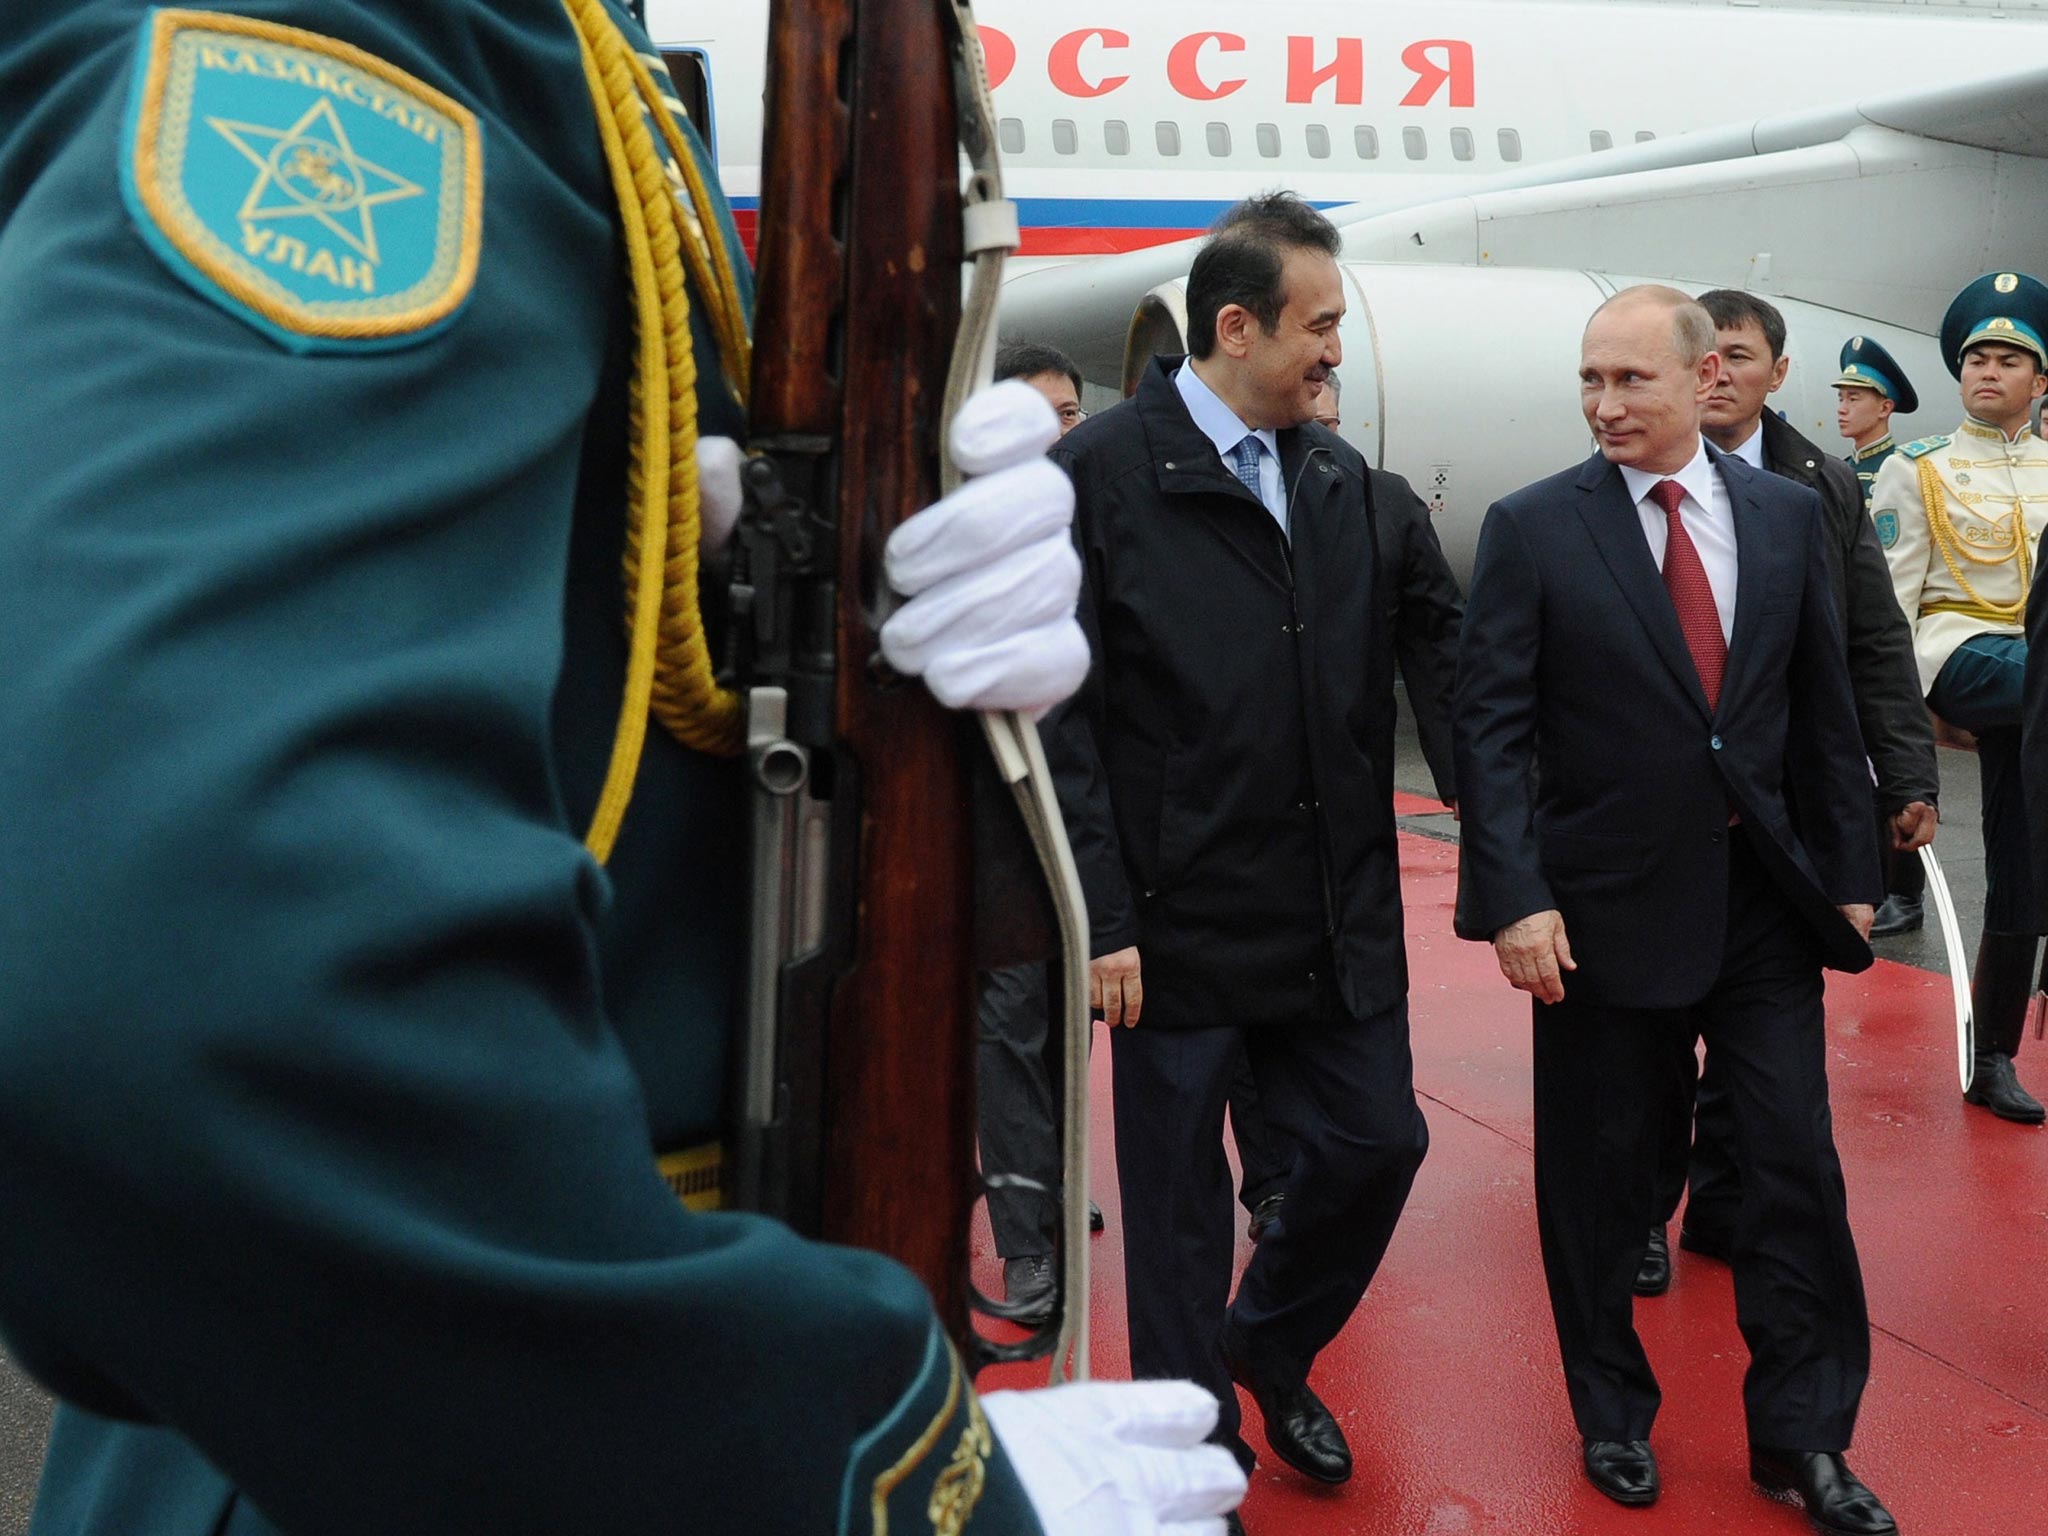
{"points": [[1049, 371], [1220, 777], [1668, 832], [1896, 734], [1960, 517]]}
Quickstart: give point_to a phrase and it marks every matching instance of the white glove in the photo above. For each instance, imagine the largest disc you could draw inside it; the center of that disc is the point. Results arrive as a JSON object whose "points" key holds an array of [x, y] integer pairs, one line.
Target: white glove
{"points": [[718, 494], [1119, 1458], [990, 571]]}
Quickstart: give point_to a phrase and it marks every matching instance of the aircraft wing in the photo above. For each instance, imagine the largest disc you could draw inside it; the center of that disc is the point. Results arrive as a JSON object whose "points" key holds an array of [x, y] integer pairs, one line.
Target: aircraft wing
{"points": [[1879, 209]]}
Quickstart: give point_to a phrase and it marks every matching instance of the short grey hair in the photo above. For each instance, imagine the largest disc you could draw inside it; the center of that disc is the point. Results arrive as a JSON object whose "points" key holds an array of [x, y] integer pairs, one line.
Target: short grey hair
{"points": [[1692, 328]]}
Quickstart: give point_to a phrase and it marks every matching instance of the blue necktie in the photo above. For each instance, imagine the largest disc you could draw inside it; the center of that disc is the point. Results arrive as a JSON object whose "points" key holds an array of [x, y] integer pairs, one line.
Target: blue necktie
{"points": [[1244, 459]]}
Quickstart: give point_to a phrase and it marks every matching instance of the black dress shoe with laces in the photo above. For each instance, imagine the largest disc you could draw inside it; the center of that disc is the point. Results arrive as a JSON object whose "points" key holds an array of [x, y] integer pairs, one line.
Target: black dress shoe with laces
{"points": [[1624, 1470], [1653, 1275], [1899, 914], [1302, 1432], [1996, 1086], [1836, 1501], [1265, 1216], [1028, 1282]]}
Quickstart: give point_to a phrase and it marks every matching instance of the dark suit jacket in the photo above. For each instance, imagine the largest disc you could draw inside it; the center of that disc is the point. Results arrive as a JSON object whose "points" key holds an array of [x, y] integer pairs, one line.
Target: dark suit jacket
{"points": [[1220, 770], [1422, 608], [1898, 735], [1594, 779]]}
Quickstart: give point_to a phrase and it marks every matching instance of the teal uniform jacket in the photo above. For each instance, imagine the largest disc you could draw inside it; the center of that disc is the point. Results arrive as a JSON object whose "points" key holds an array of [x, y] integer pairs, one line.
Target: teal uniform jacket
{"points": [[1868, 461], [332, 1066]]}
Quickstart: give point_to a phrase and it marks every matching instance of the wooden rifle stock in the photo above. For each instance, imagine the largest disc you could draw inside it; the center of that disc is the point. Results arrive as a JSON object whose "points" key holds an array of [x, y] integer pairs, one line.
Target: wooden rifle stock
{"points": [[858, 300]]}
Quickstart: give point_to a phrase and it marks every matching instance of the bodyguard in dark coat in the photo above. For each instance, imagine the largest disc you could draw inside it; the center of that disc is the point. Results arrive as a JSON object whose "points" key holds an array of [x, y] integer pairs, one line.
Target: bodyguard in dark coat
{"points": [[1667, 834], [1896, 734], [1221, 774]]}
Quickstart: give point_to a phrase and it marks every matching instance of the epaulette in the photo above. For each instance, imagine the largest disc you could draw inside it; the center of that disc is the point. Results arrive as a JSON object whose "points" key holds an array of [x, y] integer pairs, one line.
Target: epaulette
{"points": [[1924, 446]]}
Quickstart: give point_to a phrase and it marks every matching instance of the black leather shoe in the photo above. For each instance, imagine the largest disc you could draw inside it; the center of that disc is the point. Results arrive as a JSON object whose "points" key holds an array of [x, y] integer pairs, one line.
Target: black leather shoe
{"points": [[1094, 1217], [1300, 1429], [1028, 1282], [1899, 914], [1266, 1216], [1997, 1087], [1653, 1276], [1233, 1524], [1836, 1500], [1624, 1470], [1707, 1244]]}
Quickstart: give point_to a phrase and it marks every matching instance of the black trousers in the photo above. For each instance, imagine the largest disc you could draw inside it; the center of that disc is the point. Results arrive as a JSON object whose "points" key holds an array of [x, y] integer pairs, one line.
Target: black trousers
{"points": [[1264, 1161], [1019, 1090], [1604, 1078], [1342, 1092]]}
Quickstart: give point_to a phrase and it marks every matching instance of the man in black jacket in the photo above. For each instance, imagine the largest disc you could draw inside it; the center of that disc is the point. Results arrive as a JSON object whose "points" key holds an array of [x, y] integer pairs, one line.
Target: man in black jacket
{"points": [[1667, 833], [1897, 736], [1221, 775]]}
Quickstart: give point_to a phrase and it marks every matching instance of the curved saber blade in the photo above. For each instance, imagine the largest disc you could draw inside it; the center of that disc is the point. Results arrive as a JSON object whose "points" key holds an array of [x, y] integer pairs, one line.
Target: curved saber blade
{"points": [[1958, 966]]}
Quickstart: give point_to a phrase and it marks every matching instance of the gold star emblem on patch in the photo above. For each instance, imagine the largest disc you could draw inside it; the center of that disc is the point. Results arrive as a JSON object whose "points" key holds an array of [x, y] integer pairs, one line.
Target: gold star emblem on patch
{"points": [[310, 170]]}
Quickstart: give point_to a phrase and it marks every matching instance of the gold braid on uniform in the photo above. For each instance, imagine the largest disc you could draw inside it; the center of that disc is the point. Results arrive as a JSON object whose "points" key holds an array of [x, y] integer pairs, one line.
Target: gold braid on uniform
{"points": [[668, 672], [1952, 545]]}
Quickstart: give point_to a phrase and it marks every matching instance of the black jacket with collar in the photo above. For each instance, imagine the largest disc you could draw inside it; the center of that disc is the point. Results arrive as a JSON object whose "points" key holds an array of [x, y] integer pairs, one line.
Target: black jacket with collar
{"points": [[1593, 778], [1898, 736], [1220, 771], [1422, 608]]}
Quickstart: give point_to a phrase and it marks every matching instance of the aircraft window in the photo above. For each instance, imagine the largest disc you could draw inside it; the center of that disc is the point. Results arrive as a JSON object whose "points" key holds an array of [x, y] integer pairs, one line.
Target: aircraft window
{"points": [[693, 85], [1510, 144], [1318, 142], [1116, 136], [1461, 144], [1219, 140], [1602, 139], [1368, 142], [1169, 139], [1066, 139], [1643, 136], [1269, 141], [1415, 143], [1010, 135]]}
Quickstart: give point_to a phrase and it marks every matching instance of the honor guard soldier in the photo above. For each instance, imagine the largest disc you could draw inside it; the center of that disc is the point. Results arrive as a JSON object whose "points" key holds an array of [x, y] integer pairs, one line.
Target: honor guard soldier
{"points": [[1960, 516], [335, 1054], [1872, 386]]}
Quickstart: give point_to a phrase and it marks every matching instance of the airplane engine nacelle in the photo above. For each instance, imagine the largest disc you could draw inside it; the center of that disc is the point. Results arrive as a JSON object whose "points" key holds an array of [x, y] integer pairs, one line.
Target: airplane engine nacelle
{"points": [[1464, 379]]}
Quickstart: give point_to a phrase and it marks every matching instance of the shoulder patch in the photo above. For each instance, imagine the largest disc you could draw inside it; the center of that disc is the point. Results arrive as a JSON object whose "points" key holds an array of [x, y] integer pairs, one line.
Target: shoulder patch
{"points": [[329, 199], [1887, 528], [1925, 446]]}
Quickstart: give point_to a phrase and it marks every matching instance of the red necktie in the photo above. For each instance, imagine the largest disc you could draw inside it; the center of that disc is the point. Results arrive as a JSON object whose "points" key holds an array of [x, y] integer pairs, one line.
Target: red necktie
{"points": [[1685, 578]]}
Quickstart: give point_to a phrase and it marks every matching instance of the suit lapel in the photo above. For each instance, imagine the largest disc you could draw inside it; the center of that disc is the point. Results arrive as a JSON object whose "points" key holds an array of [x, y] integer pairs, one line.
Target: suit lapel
{"points": [[1610, 517]]}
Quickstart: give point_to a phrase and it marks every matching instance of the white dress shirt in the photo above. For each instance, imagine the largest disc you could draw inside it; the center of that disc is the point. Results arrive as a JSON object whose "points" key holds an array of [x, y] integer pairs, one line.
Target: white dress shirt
{"points": [[1708, 518], [1751, 450], [1219, 423]]}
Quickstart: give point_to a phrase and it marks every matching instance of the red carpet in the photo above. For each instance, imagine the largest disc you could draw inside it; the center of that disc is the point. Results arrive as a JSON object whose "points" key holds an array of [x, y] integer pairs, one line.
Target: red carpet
{"points": [[1447, 1380]]}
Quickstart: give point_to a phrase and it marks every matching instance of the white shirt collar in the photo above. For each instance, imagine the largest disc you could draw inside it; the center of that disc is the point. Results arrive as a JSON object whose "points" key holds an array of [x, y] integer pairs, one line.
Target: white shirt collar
{"points": [[1697, 478], [1219, 423], [1751, 449]]}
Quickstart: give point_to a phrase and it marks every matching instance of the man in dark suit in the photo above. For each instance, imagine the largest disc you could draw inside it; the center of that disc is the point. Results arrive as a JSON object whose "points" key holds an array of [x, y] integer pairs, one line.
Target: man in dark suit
{"points": [[1420, 610], [1220, 777], [1653, 850], [1897, 736]]}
